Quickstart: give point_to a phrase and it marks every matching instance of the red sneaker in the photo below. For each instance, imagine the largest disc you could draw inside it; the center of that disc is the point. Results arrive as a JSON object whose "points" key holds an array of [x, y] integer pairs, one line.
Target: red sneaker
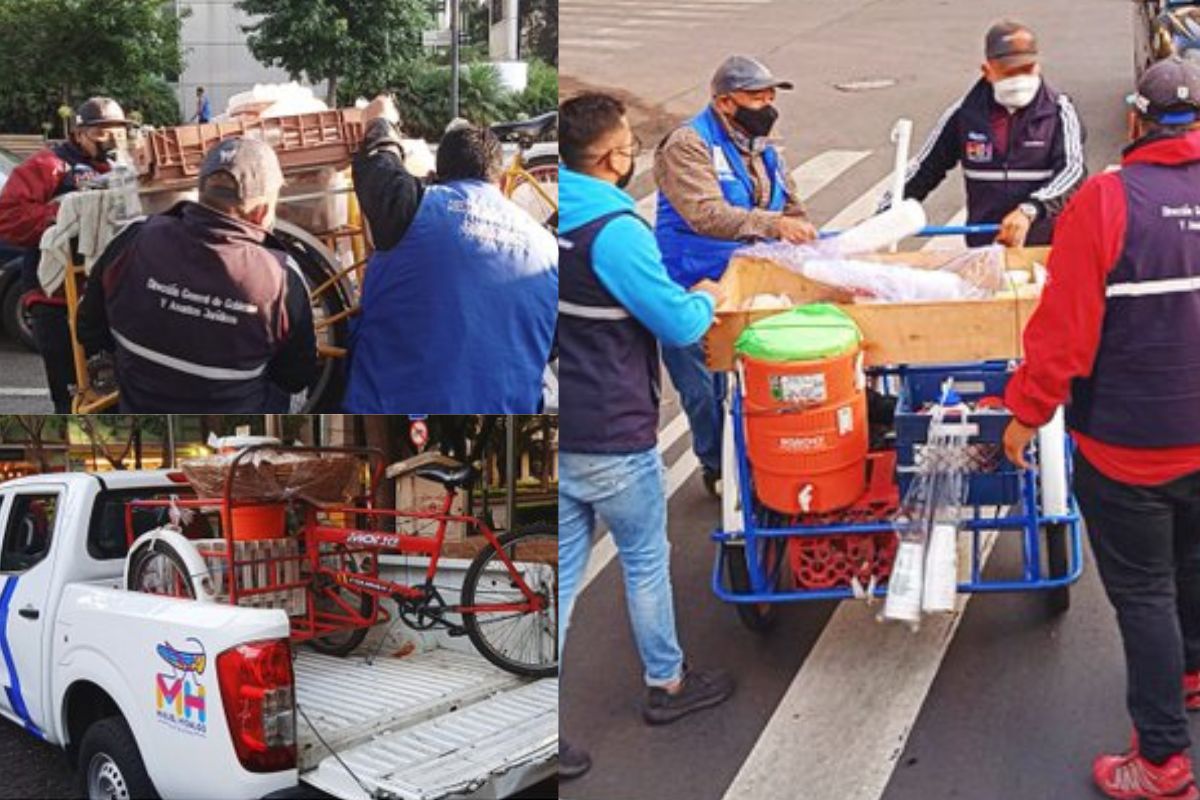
{"points": [[1130, 777], [1191, 690]]}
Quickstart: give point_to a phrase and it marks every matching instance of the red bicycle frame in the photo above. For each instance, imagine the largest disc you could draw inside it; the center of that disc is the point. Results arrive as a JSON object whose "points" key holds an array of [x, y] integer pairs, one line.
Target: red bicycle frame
{"points": [[351, 541]]}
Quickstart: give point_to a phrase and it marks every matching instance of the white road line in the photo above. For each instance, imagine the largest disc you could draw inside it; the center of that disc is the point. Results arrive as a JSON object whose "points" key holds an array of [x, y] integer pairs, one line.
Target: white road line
{"points": [[810, 177], [599, 44], [867, 682], [860, 208], [822, 169], [23, 391]]}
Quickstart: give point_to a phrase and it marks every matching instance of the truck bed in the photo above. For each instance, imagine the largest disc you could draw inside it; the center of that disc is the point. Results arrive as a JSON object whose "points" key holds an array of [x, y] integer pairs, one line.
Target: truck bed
{"points": [[427, 726]]}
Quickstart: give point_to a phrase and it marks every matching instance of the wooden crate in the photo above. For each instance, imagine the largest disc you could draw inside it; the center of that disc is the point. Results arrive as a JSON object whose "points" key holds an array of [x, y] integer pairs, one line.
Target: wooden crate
{"points": [[893, 333]]}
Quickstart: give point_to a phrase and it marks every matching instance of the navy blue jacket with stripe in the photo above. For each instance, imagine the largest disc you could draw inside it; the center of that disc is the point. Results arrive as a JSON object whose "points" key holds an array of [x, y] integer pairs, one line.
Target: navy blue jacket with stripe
{"points": [[1041, 164]]}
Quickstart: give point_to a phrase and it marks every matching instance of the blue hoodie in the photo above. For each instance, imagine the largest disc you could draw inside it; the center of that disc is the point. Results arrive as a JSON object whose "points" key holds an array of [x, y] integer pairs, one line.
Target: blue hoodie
{"points": [[627, 261]]}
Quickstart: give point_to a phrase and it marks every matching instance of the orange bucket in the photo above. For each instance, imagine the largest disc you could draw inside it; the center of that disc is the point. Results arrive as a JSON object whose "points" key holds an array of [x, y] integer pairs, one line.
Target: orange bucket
{"points": [[266, 521]]}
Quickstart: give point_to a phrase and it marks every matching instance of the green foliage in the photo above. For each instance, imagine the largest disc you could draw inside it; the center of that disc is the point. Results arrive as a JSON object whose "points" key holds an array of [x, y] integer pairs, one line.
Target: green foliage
{"points": [[335, 40], [422, 91], [541, 92], [63, 51], [539, 29]]}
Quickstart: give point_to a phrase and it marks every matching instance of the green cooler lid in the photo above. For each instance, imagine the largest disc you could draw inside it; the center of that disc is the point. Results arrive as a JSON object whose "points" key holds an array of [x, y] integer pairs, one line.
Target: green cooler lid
{"points": [[805, 333]]}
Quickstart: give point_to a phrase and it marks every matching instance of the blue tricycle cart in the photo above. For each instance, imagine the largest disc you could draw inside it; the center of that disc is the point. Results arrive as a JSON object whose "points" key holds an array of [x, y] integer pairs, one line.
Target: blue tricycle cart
{"points": [[764, 557]]}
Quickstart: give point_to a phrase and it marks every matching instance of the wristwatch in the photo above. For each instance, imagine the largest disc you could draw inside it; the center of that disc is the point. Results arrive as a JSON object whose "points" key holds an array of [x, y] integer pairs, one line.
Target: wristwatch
{"points": [[1029, 209]]}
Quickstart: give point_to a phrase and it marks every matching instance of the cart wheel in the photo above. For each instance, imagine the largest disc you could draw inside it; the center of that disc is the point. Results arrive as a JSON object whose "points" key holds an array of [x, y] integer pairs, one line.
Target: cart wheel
{"points": [[758, 617], [1057, 561]]}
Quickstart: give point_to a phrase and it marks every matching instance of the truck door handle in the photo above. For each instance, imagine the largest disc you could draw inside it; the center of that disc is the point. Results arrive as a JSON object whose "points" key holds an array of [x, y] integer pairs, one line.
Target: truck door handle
{"points": [[29, 612]]}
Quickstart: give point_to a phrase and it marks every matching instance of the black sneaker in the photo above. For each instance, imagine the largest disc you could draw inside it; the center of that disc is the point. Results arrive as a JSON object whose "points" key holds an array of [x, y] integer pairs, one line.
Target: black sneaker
{"points": [[712, 481], [700, 689], [572, 761]]}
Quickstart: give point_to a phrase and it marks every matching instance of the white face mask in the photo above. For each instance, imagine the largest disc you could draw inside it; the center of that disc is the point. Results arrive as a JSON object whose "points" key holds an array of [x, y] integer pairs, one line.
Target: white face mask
{"points": [[1017, 91]]}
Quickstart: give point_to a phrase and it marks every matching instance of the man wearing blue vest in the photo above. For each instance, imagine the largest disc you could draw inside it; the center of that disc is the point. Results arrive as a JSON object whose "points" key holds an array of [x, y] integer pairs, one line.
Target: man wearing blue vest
{"points": [[460, 299], [1114, 339], [721, 184], [616, 303]]}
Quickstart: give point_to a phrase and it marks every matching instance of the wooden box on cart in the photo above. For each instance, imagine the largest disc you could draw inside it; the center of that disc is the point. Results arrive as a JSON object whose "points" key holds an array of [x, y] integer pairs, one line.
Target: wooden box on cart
{"points": [[894, 333]]}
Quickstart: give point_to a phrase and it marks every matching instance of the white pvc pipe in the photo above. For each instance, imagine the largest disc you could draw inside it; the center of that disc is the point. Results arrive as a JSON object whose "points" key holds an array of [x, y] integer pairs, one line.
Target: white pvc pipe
{"points": [[1052, 467], [902, 137], [731, 517]]}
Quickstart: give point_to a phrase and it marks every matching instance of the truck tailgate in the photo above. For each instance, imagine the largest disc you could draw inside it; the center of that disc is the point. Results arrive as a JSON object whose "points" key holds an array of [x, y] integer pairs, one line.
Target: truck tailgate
{"points": [[429, 726]]}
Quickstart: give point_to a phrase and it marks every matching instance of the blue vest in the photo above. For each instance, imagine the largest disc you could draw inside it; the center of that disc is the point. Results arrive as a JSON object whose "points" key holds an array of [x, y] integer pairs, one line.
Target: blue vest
{"points": [[608, 361], [459, 316], [1144, 390], [689, 257]]}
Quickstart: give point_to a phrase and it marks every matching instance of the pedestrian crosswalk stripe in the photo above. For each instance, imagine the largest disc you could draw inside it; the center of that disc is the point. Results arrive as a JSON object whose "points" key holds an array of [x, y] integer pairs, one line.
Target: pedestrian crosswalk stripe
{"points": [[860, 208], [598, 44], [810, 177]]}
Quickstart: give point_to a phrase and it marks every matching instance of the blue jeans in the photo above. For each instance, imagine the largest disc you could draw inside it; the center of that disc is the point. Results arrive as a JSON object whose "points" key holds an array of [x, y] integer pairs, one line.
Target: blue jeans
{"points": [[701, 392], [626, 493]]}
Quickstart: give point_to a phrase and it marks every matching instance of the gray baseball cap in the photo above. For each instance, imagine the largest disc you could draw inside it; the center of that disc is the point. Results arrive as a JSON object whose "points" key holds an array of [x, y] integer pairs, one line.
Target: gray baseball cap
{"points": [[743, 73], [1169, 92], [251, 163], [1010, 44]]}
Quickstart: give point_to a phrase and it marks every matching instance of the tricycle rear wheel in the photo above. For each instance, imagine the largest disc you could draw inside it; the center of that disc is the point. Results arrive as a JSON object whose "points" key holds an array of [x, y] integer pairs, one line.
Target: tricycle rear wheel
{"points": [[1057, 544], [758, 617]]}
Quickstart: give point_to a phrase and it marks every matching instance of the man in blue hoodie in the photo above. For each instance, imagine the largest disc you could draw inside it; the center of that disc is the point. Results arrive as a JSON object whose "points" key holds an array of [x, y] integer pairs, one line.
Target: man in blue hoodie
{"points": [[616, 302]]}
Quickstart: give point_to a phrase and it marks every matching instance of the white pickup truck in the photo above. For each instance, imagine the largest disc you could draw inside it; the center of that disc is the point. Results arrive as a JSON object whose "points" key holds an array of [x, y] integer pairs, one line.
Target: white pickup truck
{"points": [[154, 695]]}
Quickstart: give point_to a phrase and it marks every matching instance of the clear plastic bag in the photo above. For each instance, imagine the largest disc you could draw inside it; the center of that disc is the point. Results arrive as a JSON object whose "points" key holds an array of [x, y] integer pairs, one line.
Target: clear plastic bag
{"points": [[924, 575], [975, 274]]}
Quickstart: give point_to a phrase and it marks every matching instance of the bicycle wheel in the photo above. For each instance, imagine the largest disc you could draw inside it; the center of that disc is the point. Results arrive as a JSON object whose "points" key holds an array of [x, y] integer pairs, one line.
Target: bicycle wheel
{"points": [[521, 642], [158, 569], [542, 205], [325, 599], [317, 267]]}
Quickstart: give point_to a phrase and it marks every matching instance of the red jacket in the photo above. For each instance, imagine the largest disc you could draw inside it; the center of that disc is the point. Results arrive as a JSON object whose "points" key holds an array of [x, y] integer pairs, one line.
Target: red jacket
{"points": [[27, 206], [1063, 336]]}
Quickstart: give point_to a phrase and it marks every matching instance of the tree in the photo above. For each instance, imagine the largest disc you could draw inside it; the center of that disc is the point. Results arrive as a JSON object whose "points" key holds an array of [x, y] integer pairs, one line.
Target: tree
{"points": [[335, 40], [55, 52], [539, 28]]}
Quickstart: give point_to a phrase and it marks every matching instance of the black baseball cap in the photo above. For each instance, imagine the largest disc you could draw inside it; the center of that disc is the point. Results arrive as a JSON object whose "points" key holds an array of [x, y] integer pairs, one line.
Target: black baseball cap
{"points": [[252, 165], [100, 112], [746, 74], [1010, 44], [1169, 92]]}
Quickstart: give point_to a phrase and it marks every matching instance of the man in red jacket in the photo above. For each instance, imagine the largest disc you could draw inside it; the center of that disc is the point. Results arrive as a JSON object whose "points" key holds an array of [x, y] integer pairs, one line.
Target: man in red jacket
{"points": [[1114, 339], [28, 206]]}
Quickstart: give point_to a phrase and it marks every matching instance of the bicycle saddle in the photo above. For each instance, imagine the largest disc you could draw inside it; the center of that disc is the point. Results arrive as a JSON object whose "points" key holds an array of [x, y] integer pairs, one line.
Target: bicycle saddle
{"points": [[451, 476], [532, 128]]}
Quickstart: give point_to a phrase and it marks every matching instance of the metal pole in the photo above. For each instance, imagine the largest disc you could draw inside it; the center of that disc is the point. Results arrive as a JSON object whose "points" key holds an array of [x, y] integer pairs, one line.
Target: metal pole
{"points": [[170, 441], [453, 59], [510, 469]]}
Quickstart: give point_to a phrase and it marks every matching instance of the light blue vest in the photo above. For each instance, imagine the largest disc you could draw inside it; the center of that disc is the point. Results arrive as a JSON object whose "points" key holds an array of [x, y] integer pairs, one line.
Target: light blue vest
{"points": [[689, 256], [459, 316]]}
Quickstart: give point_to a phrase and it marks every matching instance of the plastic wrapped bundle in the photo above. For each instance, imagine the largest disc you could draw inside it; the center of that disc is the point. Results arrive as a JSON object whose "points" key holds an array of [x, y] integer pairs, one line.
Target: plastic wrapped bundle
{"points": [[270, 476], [973, 275]]}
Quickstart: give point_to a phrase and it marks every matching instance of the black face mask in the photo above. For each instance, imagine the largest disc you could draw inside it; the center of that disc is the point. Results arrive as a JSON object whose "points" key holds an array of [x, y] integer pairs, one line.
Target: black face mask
{"points": [[624, 180], [756, 121]]}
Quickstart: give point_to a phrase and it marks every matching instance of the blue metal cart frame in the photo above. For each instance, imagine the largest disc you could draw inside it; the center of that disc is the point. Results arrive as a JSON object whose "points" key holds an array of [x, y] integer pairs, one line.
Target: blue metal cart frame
{"points": [[1025, 519]]}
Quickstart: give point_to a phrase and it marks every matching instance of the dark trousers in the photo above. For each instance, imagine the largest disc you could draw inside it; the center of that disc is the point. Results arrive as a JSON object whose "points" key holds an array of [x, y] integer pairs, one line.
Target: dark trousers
{"points": [[1146, 540], [53, 337]]}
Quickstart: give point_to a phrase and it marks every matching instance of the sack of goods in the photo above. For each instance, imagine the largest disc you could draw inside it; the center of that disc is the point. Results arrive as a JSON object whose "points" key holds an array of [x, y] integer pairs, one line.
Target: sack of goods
{"points": [[805, 409]]}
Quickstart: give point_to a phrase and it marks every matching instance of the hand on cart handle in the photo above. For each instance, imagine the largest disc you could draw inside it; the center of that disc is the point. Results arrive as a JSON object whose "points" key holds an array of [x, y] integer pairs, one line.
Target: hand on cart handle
{"points": [[712, 289], [1017, 437]]}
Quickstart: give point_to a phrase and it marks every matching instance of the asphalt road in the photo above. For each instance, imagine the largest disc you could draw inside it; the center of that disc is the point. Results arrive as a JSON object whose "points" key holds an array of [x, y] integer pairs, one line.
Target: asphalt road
{"points": [[22, 380], [1016, 702]]}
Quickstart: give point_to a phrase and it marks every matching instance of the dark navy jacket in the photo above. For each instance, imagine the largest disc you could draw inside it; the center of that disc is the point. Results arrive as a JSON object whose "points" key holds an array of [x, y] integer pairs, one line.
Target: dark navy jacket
{"points": [[616, 302], [1144, 388], [1042, 162]]}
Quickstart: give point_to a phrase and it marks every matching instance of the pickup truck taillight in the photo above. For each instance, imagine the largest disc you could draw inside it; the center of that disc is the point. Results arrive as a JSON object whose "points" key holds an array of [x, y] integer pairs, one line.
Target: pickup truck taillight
{"points": [[256, 689]]}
